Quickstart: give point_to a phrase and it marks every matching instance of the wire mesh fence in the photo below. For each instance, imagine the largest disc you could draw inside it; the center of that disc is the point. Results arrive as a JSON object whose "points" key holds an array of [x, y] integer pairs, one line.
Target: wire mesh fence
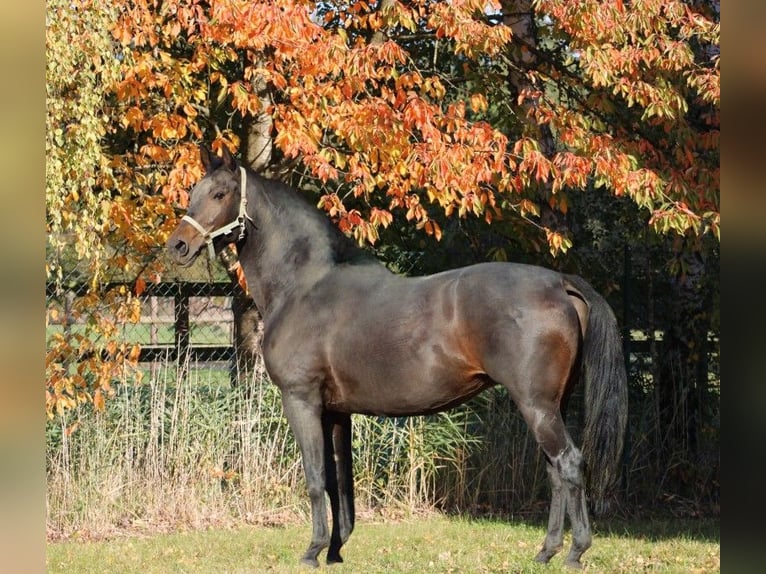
{"points": [[214, 324], [201, 334], [186, 324], [174, 318]]}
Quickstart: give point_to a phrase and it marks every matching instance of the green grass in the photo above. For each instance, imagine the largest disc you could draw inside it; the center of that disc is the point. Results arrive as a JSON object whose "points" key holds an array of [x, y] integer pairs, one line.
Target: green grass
{"points": [[434, 544]]}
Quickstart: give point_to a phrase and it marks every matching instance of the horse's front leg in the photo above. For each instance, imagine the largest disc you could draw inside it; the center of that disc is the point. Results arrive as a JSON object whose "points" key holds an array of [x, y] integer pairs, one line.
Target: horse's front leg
{"points": [[340, 480], [304, 413]]}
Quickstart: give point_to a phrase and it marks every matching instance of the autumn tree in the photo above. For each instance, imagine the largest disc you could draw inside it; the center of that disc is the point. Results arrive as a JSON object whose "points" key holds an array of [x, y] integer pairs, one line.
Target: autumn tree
{"points": [[80, 72], [422, 112]]}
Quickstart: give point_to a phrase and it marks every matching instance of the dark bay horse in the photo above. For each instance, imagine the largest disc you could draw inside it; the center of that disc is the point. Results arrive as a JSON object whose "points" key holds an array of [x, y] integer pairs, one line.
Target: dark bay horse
{"points": [[343, 335]]}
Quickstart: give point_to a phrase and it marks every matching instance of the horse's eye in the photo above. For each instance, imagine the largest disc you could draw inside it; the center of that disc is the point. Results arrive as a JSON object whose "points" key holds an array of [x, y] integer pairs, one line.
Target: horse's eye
{"points": [[218, 195]]}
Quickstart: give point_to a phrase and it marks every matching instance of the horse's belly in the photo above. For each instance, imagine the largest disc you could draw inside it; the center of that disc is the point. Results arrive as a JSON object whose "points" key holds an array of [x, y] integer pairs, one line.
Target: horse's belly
{"points": [[402, 389]]}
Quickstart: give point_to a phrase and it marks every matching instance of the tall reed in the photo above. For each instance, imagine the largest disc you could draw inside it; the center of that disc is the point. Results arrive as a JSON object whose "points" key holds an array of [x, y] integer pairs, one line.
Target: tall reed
{"points": [[188, 452], [174, 452]]}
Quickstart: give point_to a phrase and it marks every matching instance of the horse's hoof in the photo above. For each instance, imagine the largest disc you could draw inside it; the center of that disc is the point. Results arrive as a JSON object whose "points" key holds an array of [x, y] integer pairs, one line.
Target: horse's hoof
{"points": [[311, 562], [576, 564], [334, 559], [544, 556]]}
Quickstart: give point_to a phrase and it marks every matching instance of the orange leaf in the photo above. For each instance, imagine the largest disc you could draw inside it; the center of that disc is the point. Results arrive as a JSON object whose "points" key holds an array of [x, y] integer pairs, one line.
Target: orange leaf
{"points": [[98, 400], [241, 279], [135, 352], [478, 103]]}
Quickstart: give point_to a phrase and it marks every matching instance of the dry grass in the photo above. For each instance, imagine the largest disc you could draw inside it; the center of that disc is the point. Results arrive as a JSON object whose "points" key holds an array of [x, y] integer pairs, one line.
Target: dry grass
{"points": [[169, 454]]}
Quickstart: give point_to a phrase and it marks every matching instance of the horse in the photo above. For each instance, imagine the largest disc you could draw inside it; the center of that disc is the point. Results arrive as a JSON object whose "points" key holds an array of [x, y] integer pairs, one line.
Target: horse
{"points": [[343, 335]]}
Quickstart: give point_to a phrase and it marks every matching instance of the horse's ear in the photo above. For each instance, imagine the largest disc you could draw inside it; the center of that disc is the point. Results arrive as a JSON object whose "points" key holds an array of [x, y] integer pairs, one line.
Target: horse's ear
{"points": [[228, 159], [207, 162]]}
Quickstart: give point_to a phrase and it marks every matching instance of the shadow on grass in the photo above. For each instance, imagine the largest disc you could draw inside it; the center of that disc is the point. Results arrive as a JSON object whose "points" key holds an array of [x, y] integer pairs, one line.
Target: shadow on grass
{"points": [[652, 526]]}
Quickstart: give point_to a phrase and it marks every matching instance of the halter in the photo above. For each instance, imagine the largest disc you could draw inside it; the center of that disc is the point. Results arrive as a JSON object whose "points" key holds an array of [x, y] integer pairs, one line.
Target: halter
{"points": [[229, 227]]}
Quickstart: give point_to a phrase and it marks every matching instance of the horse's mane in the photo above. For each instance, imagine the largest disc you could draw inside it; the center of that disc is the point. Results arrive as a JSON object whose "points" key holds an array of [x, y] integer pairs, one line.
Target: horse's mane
{"points": [[289, 205]]}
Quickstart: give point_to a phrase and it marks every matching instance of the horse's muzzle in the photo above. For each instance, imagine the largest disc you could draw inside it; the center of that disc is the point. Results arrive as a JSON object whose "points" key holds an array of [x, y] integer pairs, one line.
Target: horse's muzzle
{"points": [[181, 248], [183, 251]]}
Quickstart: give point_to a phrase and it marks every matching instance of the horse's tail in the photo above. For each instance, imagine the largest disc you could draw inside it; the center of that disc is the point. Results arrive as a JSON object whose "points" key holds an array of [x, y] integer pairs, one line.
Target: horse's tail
{"points": [[606, 396]]}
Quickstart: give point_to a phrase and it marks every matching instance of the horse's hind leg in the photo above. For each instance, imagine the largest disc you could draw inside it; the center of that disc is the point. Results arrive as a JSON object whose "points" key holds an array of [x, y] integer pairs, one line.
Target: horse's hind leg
{"points": [[570, 467], [565, 469], [340, 480], [554, 539], [537, 372]]}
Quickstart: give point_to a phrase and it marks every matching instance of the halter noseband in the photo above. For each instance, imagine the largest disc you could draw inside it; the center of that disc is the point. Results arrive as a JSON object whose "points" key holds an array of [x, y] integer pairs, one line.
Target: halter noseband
{"points": [[208, 236]]}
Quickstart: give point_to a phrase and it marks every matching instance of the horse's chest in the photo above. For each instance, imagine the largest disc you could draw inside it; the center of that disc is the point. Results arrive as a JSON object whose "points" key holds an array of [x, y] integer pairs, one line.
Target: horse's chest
{"points": [[291, 356]]}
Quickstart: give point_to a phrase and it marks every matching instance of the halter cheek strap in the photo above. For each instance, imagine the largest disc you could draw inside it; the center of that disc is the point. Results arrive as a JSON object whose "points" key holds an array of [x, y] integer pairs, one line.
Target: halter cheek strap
{"points": [[208, 236]]}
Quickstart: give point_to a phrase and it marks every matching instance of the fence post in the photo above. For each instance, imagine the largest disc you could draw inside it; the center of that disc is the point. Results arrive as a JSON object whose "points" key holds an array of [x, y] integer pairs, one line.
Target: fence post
{"points": [[181, 311], [627, 273]]}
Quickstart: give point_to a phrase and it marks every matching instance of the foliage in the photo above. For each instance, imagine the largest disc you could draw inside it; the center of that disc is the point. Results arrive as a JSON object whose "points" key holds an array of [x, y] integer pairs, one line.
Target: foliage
{"points": [[80, 71], [633, 107], [399, 113], [648, 118]]}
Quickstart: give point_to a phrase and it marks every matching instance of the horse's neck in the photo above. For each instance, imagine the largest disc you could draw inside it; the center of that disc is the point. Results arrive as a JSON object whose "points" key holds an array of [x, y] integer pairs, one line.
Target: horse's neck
{"points": [[287, 252]]}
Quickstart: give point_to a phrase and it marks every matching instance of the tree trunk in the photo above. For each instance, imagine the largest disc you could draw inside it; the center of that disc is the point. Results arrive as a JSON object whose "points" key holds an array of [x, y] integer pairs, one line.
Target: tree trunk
{"points": [[519, 16], [258, 140], [248, 327]]}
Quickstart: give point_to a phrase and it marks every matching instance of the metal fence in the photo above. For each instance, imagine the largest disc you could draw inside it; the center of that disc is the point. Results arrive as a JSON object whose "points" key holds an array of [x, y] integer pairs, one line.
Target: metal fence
{"points": [[179, 321], [194, 321], [190, 326]]}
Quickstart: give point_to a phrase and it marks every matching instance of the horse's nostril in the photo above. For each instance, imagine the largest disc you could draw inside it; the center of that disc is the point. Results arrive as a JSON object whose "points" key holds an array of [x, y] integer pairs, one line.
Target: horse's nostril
{"points": [[181, 247]]}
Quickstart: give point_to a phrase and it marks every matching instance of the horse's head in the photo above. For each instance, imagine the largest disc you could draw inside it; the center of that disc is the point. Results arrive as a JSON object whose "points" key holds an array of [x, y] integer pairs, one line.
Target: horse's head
{"points": [[216, 214]]}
